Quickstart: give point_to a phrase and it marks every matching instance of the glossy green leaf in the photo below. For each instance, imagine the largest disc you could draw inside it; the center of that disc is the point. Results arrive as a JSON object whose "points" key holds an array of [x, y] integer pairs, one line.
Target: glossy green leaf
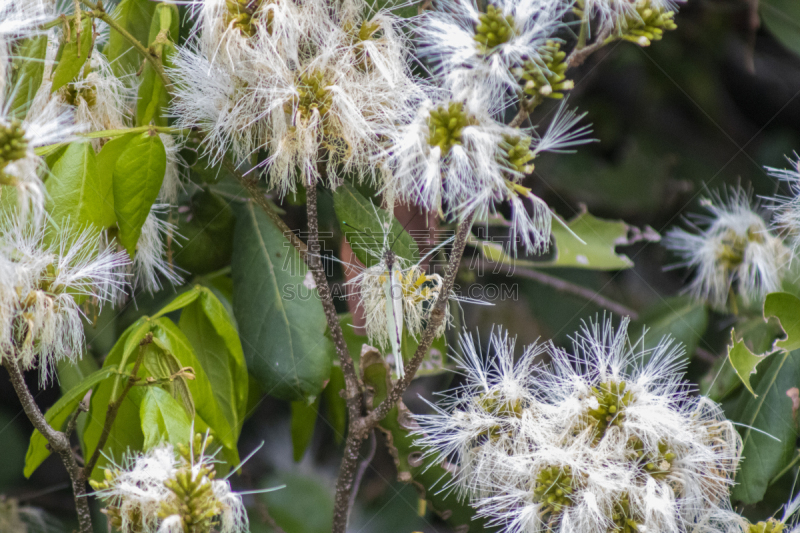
{"points": [[163, 419], [153, 98], [208, 227], [335, 404], [134, 16], [303, 505], [172, 339], [782, 19], [106, 163], [78, 195], [304, 418], [138, 176], [427, 474], [601, 238], [768, 430], [180, 301], [27, 72], [165, 367], [281, 322], [72, 55], [207, 325], [57, 417], [786, 308], [743, 361], [363, 225]]}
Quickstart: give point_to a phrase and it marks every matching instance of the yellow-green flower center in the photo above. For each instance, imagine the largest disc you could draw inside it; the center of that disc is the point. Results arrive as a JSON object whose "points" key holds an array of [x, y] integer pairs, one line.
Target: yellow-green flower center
{"points": [[74, 95], [313, 94], [625, 520], [770, 526], [493, 29], [13, 145], [647, 24], [553, 488], [244, 15], [612, 399], [656, 463], [446, 125], [545, 76]]}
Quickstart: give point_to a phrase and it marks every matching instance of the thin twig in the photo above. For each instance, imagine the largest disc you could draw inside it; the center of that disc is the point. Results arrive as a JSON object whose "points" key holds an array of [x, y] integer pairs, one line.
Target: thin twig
{"points": [[562, 285], [82, 408], [58, 441], [352, 383], [113, 408], [579, 55], [362, 468]]}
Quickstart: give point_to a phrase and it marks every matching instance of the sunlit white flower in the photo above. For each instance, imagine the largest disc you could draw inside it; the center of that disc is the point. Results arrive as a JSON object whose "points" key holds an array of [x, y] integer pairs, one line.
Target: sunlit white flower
{"points": [[602, 438], [617, 14], [731, 247], [476, 49], [97, 99], [46, 275], [157, 492], [319, 92], [20, 167], [150, 264], [171, 186]]}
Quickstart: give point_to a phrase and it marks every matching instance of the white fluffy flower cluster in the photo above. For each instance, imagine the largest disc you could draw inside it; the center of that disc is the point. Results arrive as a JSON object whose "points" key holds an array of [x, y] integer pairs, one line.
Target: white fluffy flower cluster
{"points": [[604, 439], [732, 246], [45, 276], [318, 87], [17, 18], [168, 490]]}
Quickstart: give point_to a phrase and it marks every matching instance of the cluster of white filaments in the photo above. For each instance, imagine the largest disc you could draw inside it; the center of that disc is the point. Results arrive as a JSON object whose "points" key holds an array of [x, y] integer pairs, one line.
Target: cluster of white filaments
{"points": [[732, 247], [171, 490], [786, 209], [45, 277], [319, 89], [17, 18], [604, 439]]}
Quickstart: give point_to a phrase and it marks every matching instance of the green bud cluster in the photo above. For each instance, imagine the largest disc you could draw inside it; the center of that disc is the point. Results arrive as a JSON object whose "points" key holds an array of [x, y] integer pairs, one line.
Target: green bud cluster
{"points": [[13, 145], [493, 29], [648, 23], [446, 124], [312, 88], [545, 77], [243, 15], [612, 398], [360, 35], [734, 245], [74, 95], [194, 500], [770, 526], [554, 488], [517, 153], [623, 517], [656, 463]]}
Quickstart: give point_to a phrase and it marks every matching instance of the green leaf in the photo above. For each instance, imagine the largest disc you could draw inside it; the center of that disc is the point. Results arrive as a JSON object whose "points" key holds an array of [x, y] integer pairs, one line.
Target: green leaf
{"points": [[134, 16], [304, 417], [743, 361], [27, 72], [601, 238], [208, 228], [782, 19], [428, 475], [172, 339], [77, 194], [180, 301], [281, 321], [163, 419], [363, 225], [335, 404], [786, 308], [106, 163], [138, 175], [769, 430], [681, 317], [71, 55], [207, 325], [153, 97], [304, 505], [57, 417], [164, 366]]}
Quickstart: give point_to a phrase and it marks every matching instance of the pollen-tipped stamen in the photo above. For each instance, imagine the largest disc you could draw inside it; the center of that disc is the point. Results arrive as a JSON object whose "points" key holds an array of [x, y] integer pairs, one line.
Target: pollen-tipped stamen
{"points": [[612, 398]]}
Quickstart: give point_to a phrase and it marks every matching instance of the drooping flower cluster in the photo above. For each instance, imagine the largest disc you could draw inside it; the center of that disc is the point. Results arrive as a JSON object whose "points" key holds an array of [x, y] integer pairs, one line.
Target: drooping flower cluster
{"points": [[731, 247], [604, 439], [168, 490], [46, 274], [318, 88]]}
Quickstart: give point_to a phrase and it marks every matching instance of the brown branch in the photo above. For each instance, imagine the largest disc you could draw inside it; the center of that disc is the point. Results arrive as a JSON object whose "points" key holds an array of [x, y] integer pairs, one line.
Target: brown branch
{"points": [[579, 55], [362, 467], [565, 286], [57, 440], [113, 408], [352, 383]]}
